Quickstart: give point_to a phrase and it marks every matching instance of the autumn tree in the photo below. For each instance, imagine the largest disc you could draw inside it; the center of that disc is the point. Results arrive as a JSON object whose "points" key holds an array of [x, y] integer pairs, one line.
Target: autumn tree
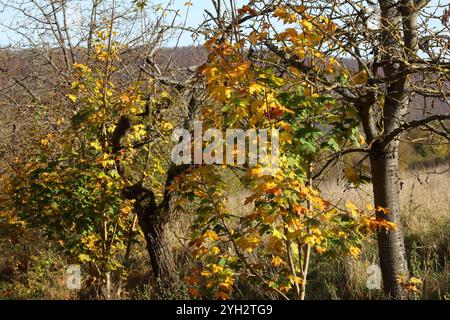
{"points": [[289, 220], [94, 108], [385, 59], [100, 145]]}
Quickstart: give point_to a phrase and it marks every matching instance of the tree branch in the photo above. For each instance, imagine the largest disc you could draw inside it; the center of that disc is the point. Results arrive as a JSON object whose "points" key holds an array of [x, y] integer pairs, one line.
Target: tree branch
{"points": [[410, 125]]}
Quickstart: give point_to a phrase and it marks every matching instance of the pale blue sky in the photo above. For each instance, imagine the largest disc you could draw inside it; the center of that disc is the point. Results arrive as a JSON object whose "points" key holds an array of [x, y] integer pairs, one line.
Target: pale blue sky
{"points": [[196, 14], [195, 17]]}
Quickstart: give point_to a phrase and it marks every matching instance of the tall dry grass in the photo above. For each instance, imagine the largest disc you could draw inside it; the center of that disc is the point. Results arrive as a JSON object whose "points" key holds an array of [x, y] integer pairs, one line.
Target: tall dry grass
{"points": [[425, 210]]}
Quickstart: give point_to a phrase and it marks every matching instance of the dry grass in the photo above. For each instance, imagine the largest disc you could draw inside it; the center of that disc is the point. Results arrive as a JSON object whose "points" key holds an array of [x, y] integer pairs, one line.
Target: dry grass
{"points": [[425, 209], [423, 190]]}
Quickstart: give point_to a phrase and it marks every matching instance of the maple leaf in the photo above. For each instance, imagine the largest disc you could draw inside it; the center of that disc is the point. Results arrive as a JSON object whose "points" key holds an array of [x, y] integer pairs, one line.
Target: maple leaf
{"points": [[354, 251], [277, 261], [255, 88], [210, 234], [307, 26], [270, 187], [96, 145], [320, 250]]}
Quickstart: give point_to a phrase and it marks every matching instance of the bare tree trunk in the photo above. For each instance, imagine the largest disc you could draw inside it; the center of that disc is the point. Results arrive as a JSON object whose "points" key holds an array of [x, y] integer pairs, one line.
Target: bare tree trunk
{"points": [[384, 156], [154, 218], [391, 247], [159, 249], [386, 187], [153, 221]]}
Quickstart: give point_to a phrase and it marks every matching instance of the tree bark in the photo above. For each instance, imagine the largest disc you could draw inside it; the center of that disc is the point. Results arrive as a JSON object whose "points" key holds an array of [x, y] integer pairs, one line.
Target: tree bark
{"points": [[384, 164], [384, 156], [153, 221], [159, 249]]}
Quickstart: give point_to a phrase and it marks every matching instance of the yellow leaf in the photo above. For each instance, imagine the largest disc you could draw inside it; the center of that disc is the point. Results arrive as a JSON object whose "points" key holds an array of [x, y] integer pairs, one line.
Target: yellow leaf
{"points": [[353, 209], [280, 12], [276, 261], [381, 209], [286, 287], [285, 126], [331, 65], [320, 250], [309, 239], [206, 273], [124, 98], [294, 70], [255, 88], [82, 68], [96, 145], [295, 279], [167, 126], [361, 139], [216, 250], [84, 257], [257, 172], [72, 97], [354, 251], [285, 137], [270, 187], [307, 26], [279, 235], [248, 243], [222, 92], [211, 234], [216, 269]]}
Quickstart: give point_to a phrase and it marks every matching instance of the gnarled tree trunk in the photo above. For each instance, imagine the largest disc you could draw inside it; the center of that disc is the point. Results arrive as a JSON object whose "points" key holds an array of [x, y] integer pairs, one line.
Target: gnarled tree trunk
{"points": [[153, 221], [152, 218]]}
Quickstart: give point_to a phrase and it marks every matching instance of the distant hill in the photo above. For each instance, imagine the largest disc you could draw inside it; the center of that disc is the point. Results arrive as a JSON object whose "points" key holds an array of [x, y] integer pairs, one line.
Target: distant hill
{"points": [[28, 67]]}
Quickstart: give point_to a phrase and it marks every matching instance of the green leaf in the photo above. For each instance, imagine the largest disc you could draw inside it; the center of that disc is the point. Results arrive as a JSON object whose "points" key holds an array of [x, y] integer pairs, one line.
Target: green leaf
{"points": [[333, 144]]}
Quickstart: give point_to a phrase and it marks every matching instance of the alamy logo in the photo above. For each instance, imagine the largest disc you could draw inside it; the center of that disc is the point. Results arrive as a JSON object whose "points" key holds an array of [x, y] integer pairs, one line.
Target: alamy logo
{"points": [[236, 147], [374, 280], [73, 280]]}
